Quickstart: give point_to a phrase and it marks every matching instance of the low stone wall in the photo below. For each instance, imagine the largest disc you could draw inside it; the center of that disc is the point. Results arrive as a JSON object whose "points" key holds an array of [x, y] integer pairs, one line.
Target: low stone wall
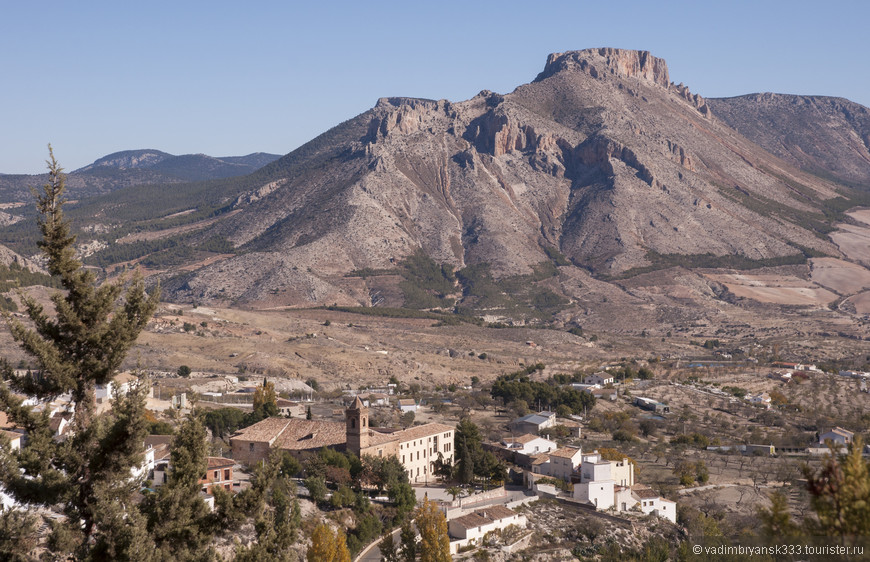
{"points": [[476, 498]]}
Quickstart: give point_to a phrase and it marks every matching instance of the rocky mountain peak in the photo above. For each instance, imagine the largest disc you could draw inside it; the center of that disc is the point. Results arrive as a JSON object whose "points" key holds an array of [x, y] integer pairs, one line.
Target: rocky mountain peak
{"points": [[625, 63]]}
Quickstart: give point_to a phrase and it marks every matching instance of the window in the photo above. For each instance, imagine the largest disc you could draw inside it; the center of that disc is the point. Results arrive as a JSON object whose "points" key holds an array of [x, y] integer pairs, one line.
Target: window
{"points": [[217, 474], [403, 459], [418, 458], [227, 474], [352, 423], [251, 447]]}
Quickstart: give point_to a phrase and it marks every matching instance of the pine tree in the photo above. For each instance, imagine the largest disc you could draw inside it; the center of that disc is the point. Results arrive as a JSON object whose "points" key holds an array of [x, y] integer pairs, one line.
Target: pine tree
{"points": [[434, 542], [18, 534], [177, 514], [776, 520], [408, 537], [387, 546], [272, 501], [78, 347], [840, 494], [266, 400]]}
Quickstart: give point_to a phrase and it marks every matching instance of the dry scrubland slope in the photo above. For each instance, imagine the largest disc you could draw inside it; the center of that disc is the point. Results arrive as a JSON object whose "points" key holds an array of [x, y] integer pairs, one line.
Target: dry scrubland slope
{"points": [[601, 157]]}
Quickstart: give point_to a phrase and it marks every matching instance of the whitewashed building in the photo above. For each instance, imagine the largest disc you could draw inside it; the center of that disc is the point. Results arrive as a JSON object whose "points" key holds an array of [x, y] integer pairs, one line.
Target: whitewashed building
{"points": [[838, 435], [564, 461], [529, 444], [600, 378], [470, 528]]}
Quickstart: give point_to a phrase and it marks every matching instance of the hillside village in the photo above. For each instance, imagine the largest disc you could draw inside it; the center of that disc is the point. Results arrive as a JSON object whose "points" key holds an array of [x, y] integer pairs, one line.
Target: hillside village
{"points": [[617, 460]]}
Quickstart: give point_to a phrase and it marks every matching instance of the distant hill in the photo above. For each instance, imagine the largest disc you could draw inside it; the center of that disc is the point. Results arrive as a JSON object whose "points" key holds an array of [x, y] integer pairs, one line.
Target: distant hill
{"points": [[137, 167]]}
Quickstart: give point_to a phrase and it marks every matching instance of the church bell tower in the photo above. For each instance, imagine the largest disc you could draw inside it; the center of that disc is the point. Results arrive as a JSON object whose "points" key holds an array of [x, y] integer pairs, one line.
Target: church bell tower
{"points": [[357, 426]]}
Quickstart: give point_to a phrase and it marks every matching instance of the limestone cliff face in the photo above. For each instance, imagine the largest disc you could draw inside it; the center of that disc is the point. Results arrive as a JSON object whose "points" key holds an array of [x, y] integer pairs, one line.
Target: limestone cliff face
{"points": [[601, 156], [598, 63]]}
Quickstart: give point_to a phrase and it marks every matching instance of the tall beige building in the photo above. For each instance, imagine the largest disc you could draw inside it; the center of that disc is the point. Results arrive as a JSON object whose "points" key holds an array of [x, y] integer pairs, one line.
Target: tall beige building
{"points": [[417, 448]]}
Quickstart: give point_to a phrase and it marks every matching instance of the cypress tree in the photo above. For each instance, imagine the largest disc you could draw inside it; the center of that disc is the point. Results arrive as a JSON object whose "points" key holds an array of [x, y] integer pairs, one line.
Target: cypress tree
{"points": [[434, 541], [80, 345]]}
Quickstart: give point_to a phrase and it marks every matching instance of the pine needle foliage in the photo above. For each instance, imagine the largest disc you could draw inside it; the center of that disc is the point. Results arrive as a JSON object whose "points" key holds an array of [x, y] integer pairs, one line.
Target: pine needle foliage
{"points": [[79, 345]]}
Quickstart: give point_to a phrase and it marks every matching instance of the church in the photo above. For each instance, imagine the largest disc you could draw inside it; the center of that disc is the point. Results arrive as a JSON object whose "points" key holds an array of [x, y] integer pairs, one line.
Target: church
{"points": [[417, 448]]}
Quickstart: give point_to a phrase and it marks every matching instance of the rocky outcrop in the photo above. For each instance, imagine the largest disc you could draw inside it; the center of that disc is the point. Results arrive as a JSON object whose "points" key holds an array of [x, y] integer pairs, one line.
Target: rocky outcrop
{"points": [[598, 63], [8, 257], [681, 156], [402, 116], [257, 194], [598, 151], [695, 100]]}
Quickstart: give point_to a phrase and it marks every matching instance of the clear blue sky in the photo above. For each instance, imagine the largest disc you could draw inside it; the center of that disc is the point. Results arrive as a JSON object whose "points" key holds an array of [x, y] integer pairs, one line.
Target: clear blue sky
{"points": [[230, 78]]}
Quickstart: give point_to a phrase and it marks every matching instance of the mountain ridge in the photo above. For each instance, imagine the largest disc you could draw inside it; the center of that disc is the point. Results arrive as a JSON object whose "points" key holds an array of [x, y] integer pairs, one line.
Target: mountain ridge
{"points": [[597, 186], [625, 156], [137, 167]]}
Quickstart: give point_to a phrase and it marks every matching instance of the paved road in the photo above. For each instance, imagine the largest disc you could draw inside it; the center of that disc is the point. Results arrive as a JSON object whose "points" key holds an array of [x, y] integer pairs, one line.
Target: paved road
{"points": [[374, 554]]}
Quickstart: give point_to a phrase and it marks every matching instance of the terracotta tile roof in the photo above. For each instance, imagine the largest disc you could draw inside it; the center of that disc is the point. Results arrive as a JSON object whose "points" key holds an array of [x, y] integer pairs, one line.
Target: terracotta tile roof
{"points": [[523, 439], [377, 438], [266, 430], [645, 494], [843, 432], [407, 402], [161, 452], [294, 434], [4, 421], [12, 435], [419, 431], [284, 402], [565, 452], [58, 418], [484, 516], [471, 521], [540, 459], [219, 462]]}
